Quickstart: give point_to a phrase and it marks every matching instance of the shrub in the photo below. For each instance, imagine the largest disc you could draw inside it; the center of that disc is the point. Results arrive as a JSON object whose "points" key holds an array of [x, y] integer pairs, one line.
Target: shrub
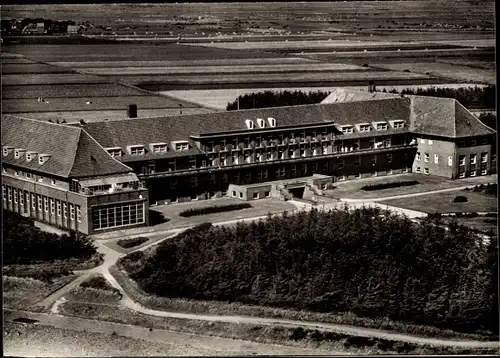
{"points": [[460, 199], [389, 185], [471, 215], [128, 243], [156, 218], [491, 215], [214, 209], [98, 282]]}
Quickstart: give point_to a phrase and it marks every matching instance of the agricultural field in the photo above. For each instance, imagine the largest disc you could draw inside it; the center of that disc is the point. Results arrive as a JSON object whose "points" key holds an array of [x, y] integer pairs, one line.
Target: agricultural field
{"points": [[29, 68], [450, 71], [44, 78]]}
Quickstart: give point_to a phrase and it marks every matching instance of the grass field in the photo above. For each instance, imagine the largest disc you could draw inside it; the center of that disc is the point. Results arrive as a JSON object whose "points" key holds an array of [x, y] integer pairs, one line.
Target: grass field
{"points": [[31, 68], [69, 91], [56, 78], [97, 104], [186, 63], [451, 71], [209, 70], [443, 202]]}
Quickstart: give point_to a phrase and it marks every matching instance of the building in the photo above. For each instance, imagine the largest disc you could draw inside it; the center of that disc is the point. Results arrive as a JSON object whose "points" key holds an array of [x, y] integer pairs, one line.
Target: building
{"points": [[60, 175], [250, 154]]}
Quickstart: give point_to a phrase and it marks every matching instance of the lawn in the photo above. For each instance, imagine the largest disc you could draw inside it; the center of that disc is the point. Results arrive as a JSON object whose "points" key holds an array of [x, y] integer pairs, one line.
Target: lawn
{"points": [[443, 202], [352, 189]]}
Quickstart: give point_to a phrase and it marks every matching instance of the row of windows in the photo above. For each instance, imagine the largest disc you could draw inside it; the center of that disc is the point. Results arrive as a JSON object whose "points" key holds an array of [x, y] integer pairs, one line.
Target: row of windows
{"points": [[472, 159], [116, 215], [27, 175], [42, 158], [41, 203], [373, 174]]}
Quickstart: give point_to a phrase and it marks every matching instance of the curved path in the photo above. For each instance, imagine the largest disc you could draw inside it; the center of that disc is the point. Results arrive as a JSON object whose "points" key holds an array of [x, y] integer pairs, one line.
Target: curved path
{"points": [[111, 256]]}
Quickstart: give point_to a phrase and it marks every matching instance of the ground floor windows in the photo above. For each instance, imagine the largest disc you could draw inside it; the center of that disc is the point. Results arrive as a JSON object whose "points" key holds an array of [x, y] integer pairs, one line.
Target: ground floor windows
{"points": [[109, 216]]}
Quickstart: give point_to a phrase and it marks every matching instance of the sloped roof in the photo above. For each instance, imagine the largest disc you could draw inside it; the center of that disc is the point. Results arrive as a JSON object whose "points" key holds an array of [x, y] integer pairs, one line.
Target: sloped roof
{"points": [[444, 117], [73, 153], [341, 94], [166, 129]]}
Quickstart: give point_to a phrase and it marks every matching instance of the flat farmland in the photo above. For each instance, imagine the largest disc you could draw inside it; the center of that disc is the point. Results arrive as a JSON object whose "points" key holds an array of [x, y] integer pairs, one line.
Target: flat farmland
{"points": [[451, 71], [69, 90], [202, 70], [111, 115], [32, 68], [55, 78], [14, 60], [186, 63], [95, 104], [470, 62], [129, 52], [402, 55]]}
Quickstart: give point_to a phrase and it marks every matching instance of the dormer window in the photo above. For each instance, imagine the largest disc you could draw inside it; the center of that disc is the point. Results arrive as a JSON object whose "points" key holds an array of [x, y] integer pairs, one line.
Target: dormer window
{"points": [[179, 146], [6, 149], [43, 158], [261, 123], [115, 152], [364, 127], [382, 126], [137, 150], [272, 122], [347, 129], [159, 148], [30, 156], [249, 123], [398, 124], [18, 153]]}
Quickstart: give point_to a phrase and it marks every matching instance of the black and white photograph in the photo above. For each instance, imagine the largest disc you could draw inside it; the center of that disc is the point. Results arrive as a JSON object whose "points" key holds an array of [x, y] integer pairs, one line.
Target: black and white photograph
{"points": [[249, 178]]}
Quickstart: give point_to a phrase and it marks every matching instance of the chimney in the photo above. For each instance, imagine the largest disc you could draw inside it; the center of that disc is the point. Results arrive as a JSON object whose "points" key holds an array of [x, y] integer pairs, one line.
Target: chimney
{"points": [[132, 111], [371, 87]]}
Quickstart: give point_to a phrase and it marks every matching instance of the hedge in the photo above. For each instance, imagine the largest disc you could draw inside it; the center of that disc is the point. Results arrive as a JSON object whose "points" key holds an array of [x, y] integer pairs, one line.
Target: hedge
{"points": [[460, 199], [214, 209], [389, 185], [128, 243]]}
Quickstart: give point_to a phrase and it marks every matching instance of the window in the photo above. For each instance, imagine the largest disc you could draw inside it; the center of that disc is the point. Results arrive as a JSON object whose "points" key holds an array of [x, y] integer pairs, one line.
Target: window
{"points": [[58, 207], [236, 177], [192, 162], [9, 193], [426, 170], [347, 129], [426, 157], [255, 195], [65, 210], [461, 160], [364, 127], [422, 141], [374, 160], [473, 159], [5, 151], [417, 169], [374, 174], [262, 174], [137, 151], [484, 157], [52, 206], [33, 201], [399, 124], [473, 142], [280, 172], [304, 168], [388, 158], [417, 157], [484, 141], [450, 161], [429, 141], [28, 156], [461, 175], [46, 204], [41, 160], [381, 126], [357, 176], [115, 152], [267, 194], [203, 163], [473, 173], [389, 172], [194, 182], [78, 214], [160, 148], [484, 172], [71, 211], [181, 146], [16, 173], [21, 198], [14, 191], [39, 199], [436, 158], [4, 192], [234, 193], [241, 195], [116, 215], [28, 175]]}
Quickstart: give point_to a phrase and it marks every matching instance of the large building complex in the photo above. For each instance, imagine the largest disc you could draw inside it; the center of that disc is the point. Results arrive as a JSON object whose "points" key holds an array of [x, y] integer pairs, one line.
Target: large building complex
{"points": [[97, 168]]}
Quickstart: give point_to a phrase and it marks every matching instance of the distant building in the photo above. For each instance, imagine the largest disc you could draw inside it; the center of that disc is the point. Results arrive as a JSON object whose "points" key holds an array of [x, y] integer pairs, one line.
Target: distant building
{"points": [[247, 154], [40, 28], [73, 29]]}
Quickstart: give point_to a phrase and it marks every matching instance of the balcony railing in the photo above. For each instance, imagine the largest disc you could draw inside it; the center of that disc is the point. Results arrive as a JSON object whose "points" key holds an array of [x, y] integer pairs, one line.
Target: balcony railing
{"points": [[275, 161]]}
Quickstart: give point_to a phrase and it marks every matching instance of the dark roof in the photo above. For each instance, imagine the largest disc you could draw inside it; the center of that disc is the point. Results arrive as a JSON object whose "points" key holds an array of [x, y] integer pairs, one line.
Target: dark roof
{"points": [[144, 131], [444, 117], [73, 153]]}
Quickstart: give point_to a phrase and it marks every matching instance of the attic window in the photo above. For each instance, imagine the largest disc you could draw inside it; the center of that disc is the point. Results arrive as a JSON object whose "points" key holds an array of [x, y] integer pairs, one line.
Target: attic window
{"points": [[115, 152], [399, 124], [17, 153], [347, 129], [5, 151], [381, 126], [160, 148], [30, 156], [249, 123], [364, 127], [181, 146], [43, 158], [261, 123], [272, 122], [137, 150]]}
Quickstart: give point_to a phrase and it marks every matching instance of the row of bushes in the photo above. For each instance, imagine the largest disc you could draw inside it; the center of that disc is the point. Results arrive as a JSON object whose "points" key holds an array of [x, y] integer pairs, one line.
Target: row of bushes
{"points": [[214, 209], [128, 243], [389, 185], [488, 189]]}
